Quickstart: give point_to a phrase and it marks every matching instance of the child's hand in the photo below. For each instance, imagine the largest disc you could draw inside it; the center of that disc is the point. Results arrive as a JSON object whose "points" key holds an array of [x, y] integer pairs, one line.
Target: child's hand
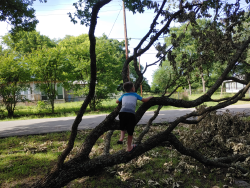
{"points": [[146, 99]]}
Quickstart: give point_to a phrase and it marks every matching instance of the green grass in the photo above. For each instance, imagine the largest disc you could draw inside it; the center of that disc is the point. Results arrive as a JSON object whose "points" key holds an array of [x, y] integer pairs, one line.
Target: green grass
{"points": [[25, 159], [70, 109]]}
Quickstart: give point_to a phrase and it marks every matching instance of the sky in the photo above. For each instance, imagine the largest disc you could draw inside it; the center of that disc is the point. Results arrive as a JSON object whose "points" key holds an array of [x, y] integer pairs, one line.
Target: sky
{"points": [[55, 23]]}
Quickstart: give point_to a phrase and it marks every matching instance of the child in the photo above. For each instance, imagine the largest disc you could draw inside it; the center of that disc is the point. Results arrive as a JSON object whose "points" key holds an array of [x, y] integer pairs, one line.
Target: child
{"points": [[127, 113]]}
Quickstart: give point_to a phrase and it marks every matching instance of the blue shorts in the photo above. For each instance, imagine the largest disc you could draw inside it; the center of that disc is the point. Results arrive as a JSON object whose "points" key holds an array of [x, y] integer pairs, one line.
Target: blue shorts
{"points": [[127, 122]]}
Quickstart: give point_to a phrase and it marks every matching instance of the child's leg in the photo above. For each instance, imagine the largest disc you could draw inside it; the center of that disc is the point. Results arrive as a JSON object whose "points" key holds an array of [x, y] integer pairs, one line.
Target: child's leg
{"points": [[122, 135], [129, 144]]}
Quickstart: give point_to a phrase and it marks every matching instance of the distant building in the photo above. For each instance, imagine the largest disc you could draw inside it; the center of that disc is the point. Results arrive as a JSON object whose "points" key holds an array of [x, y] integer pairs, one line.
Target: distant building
{"points": [[34, 94], [232, 86]]}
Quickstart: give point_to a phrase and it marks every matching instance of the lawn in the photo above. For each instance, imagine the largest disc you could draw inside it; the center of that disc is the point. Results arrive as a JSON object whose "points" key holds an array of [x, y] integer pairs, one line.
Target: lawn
{"points": [[25, 159], [70, 109]]}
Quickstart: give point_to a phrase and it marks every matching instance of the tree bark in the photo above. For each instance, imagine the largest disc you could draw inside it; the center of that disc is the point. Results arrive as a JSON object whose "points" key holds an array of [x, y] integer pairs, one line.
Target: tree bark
{"points": [[203, 83], [221, 91], [189, 87]]}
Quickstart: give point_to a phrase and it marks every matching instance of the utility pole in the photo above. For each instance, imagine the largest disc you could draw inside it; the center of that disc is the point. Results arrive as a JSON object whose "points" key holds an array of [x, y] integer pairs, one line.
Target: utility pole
{"points": [[140, 70], [125, 35]]}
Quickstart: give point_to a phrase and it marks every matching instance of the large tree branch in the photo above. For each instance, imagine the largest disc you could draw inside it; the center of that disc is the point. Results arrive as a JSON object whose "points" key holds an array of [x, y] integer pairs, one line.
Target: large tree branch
{"points": [[236, 80]]}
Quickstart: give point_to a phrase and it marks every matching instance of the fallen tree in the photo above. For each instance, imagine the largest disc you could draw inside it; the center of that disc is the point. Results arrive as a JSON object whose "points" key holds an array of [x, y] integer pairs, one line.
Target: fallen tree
{"points": [[219, 42]]}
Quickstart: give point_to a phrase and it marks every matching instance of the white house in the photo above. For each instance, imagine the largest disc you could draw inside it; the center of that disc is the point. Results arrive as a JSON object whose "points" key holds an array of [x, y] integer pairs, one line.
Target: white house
{"points": [[232, 86], [34, 94]]}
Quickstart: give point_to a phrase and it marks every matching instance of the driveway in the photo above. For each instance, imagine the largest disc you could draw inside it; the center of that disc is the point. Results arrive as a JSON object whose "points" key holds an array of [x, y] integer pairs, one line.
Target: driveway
{"points": [[39, 126]]}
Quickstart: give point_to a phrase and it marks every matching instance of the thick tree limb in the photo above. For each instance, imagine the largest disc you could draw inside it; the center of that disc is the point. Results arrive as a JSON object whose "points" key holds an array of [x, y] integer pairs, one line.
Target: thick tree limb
{"points": [[237, 80]]}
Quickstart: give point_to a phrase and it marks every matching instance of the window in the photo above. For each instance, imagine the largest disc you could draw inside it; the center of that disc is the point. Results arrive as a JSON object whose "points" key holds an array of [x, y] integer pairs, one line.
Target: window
{"points": [[59, 92], [233, 85], [240, 86], [227, 85], [44, 96]]}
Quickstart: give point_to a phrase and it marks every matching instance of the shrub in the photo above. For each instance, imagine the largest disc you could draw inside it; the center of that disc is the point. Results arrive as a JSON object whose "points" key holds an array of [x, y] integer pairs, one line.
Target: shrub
{"points": [[42, 105]]}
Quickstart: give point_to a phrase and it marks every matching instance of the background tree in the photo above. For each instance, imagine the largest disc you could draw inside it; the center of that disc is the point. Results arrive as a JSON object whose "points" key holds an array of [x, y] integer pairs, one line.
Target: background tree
{"points": [[162, 76], [110, 56], [216, 44], [185, 46], [14, 77], [49, 67], [25, 41]]}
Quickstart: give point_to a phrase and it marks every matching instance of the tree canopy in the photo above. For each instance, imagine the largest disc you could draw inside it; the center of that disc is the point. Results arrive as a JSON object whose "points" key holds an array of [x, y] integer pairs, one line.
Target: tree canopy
{"points": [[110, 55], [25, 41]]}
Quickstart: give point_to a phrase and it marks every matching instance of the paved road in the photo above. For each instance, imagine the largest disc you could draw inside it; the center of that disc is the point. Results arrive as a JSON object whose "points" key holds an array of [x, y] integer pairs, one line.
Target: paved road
{"points": [[39, 126]]}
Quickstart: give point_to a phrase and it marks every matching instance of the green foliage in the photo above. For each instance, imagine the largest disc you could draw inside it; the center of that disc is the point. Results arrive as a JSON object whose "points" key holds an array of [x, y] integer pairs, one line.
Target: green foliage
{"points": [[161, 77], [184, 59], [110, 56], [25, 42], [14, 75], [42, 105]]}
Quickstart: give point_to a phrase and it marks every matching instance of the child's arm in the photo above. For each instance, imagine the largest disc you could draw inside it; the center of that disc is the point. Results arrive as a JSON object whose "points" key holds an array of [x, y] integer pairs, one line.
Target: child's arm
{"points": [[117, 101], [146, 99]]}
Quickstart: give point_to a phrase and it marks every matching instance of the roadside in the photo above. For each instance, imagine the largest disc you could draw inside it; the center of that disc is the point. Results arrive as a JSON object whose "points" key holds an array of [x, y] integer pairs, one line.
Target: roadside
{"points": [[49, 125], [70, 109]]}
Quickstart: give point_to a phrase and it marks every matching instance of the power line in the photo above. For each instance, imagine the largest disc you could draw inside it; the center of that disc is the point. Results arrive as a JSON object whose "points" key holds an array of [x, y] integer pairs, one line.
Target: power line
{"points": [[71, 9], [65, 14], [114, 22]]}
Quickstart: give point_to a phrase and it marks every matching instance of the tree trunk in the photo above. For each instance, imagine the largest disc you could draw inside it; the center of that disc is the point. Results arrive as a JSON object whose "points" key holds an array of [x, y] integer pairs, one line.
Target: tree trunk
{"points": [[203, 83], [52, 105], [189, 87], [10, 113], [221, 91]]}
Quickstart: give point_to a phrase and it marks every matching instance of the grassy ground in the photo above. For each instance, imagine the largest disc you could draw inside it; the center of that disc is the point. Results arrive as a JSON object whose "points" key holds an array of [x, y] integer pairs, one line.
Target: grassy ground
{"points": [[25, 159], [70, 109]]}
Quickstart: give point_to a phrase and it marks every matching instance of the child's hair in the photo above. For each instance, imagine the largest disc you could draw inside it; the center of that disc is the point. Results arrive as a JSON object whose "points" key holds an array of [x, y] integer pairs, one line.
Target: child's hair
{"points": [[127, 86]]}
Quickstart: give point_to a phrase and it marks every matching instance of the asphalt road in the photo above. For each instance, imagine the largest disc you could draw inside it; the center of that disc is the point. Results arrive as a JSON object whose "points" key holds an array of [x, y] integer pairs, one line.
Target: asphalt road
{"points": [[40, 126]]}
